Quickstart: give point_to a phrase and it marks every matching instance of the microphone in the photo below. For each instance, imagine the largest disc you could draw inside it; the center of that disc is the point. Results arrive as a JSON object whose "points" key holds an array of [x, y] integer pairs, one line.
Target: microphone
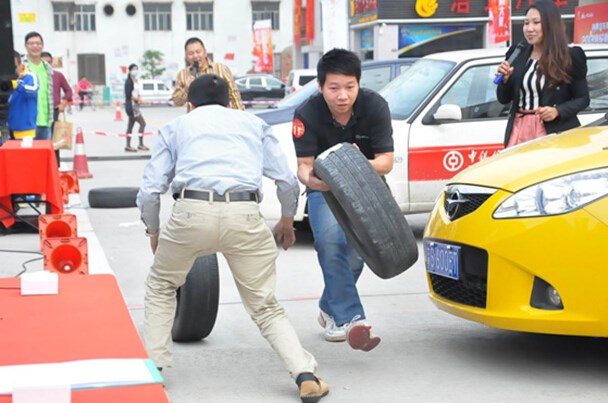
{"points": [[195, 69], [520, 46]]}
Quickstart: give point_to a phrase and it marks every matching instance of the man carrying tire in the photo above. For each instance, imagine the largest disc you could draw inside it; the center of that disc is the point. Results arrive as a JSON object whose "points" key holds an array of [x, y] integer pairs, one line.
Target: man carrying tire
{"points": [[341, 112], [214, 158]]}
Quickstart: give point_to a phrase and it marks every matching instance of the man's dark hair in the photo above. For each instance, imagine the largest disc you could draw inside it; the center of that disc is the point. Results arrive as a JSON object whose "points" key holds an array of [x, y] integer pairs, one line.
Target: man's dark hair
{"points": [[208, 89], [46, 54], [17, 55], [338, 61], [192, 40], [33, 34]]}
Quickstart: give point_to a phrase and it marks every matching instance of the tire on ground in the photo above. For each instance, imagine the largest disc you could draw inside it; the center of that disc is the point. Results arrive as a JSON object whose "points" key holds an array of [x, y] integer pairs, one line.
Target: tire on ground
{"points": [[366, 210], [197, 301], [115, 197]]}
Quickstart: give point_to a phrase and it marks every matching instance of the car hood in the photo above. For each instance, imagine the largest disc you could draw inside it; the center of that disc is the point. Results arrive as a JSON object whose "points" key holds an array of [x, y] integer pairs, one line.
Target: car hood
{"points": [[550, 157], [276, 116]]}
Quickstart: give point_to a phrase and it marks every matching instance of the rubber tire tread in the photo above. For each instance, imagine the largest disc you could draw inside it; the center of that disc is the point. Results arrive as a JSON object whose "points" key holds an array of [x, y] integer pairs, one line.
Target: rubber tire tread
{"points": [[113, 197], [367, 211], [197, 301]]}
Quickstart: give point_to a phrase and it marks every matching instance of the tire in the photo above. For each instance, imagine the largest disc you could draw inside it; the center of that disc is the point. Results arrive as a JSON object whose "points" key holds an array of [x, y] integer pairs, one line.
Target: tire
{"points": [[118, 197], [366, 210], [197, 301]]}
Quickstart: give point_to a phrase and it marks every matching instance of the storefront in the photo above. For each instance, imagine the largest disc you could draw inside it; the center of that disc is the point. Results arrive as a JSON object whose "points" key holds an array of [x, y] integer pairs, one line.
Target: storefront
{"points": [[386, 29]]}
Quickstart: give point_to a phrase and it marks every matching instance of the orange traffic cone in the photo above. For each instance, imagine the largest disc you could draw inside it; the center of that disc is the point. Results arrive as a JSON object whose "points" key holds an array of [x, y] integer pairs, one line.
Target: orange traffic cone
{"points": [[81, 166], [118, 112]]}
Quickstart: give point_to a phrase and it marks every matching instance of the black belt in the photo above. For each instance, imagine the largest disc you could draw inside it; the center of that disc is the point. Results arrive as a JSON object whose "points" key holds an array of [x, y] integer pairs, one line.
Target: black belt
{"points": [[213, 196]]}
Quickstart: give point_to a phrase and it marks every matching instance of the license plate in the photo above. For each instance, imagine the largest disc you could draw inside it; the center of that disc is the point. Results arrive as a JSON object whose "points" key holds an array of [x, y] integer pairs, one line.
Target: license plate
{"points": [[442, 259]]}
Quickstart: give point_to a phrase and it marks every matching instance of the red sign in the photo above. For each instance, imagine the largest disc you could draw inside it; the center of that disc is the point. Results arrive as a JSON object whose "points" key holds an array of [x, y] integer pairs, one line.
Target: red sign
{"points": [[500, 21], [440, 163], [297, 22], [591, 24], [461, 6], [262, 47], [310, 20]]}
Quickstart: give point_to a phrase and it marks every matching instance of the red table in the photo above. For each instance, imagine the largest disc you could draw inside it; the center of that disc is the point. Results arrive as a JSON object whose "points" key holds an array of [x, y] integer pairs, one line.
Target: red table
{"points": [[88, 319], [29, 171]]}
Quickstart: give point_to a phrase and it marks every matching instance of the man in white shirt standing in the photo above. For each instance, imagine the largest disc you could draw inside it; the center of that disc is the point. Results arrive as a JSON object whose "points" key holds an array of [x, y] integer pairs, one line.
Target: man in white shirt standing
{"points": [[214, 158]]}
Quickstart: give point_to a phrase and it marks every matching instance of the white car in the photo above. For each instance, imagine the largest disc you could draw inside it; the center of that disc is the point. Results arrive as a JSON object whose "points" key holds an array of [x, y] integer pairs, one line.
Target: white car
{"points": [[155, 92], [445, 118], [297, 78]]}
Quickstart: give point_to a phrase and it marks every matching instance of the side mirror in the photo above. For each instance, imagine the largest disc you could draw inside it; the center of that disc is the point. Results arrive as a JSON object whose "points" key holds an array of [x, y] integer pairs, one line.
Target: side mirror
{"points": [[448, 112]]}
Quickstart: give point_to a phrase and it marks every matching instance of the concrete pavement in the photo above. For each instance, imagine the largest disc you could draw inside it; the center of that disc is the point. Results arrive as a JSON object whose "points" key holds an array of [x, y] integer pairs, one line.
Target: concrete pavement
{"points": [[425, 356]]}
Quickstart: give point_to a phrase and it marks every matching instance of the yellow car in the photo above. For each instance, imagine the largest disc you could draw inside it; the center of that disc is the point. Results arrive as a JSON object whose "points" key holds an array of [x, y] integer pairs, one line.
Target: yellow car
{"points": [[519, 241]]}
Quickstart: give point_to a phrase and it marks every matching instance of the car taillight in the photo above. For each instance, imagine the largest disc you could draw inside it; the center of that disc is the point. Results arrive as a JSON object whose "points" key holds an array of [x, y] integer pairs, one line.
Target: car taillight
{"points": [[293, 89]]}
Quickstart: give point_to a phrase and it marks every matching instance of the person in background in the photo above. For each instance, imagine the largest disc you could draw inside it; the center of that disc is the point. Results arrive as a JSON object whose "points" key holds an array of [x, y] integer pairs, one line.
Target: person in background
{"points": [[23, 102], [59, 84], [340, 112], [547, 83], [198, 63], [34, 45], [214, 158], [132, 103], [85, 88]]}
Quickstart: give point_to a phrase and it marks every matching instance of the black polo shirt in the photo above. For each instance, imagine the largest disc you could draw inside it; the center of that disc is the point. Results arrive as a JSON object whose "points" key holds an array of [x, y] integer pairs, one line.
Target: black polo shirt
{"points": [[315, 130]]}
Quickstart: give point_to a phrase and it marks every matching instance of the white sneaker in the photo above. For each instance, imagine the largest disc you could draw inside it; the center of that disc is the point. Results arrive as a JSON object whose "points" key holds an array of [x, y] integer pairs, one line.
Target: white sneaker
{"points": [[332, 332]]}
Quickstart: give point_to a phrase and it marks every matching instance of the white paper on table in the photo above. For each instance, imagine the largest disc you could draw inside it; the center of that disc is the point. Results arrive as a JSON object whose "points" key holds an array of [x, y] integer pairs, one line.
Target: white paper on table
{"points": [[82, 374]]}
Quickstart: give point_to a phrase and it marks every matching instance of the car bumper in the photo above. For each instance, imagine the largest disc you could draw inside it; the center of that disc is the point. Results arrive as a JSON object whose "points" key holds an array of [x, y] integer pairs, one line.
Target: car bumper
{"points": [[567, 251]]}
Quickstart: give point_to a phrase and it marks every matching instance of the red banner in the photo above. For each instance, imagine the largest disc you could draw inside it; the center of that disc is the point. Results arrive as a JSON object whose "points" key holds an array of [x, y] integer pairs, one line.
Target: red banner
{"points": [[297, 22], [310, 20], [500, 20], [262, 47], [591, 23]]}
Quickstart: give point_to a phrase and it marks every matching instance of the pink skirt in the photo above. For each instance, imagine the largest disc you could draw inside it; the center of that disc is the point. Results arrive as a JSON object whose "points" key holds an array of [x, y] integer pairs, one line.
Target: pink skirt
{"points": [[527, 126]]}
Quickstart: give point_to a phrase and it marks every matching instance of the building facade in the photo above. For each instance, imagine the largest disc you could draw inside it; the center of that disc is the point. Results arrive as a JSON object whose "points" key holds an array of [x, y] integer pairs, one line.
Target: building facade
{"points": [[381, 29], [100, 38]]}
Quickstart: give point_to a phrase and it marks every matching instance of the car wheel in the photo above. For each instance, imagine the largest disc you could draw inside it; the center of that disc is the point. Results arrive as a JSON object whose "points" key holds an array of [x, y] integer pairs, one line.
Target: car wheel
{"points": [[116, 197], [197, 301], [366, 210]]}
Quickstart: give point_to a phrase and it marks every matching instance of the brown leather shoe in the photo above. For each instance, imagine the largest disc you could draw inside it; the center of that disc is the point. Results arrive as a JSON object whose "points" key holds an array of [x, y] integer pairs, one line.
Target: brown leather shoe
{"points": [[311, 391]]}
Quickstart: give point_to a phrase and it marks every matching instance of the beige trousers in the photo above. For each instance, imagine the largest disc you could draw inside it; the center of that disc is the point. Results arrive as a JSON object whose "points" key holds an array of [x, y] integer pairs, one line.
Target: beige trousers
{"points": [[238, 231]]}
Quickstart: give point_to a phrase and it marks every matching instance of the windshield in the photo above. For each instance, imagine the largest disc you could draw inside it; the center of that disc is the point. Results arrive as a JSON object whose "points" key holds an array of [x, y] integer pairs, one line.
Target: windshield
{"points": [[407, 91], [298, 97]]}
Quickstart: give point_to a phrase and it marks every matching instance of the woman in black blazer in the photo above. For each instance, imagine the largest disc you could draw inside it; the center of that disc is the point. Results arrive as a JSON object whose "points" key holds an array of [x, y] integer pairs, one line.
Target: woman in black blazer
{"points": [[547, 82]]}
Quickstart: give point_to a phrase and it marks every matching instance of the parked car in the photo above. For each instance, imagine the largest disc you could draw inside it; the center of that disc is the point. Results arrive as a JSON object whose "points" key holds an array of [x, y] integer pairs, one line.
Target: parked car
{"points": [[297, 78], [518, 241], [260, 89], [445, 118], [155, 92]]}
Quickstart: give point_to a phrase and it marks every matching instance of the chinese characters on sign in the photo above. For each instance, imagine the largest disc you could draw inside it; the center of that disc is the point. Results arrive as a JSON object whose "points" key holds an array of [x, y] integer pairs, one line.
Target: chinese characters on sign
{"points": [[262, 47]]}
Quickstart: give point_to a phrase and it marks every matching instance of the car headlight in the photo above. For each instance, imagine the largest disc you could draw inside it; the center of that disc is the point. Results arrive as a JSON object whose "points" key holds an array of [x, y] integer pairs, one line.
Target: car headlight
{"points": [[556, 196]]}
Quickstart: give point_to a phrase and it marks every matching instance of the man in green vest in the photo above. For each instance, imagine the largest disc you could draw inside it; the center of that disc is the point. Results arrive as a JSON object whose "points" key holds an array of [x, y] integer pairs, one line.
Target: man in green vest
{"points": [[34, 44]]}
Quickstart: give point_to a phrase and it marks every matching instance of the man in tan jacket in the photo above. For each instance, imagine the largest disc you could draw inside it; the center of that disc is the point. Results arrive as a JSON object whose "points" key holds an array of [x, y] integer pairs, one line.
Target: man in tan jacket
{"points": [[198, 64]]}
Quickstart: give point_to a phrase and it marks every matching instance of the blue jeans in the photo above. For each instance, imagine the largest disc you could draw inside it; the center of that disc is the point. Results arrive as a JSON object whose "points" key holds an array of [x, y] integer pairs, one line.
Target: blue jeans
{"points": [[340, 263], [43, 133]]}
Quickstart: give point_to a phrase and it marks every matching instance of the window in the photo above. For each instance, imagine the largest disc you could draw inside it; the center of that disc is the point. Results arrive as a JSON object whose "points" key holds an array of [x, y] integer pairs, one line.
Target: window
{"points": [[68, 16], [266, 10], [255, 82], [597, 79], [157, 16], [375, 78], [199, 16], [274, 83], [475, 94], [93, 67], [85, 17]]}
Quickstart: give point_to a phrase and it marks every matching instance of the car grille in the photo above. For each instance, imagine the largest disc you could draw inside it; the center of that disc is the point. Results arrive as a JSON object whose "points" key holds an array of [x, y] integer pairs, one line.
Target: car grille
{"points": [[471, 288], [460, 200]]}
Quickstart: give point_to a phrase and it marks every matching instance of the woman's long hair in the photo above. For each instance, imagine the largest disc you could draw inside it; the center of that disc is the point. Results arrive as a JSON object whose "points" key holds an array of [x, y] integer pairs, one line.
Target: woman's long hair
{"points": [[555, 62]]}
